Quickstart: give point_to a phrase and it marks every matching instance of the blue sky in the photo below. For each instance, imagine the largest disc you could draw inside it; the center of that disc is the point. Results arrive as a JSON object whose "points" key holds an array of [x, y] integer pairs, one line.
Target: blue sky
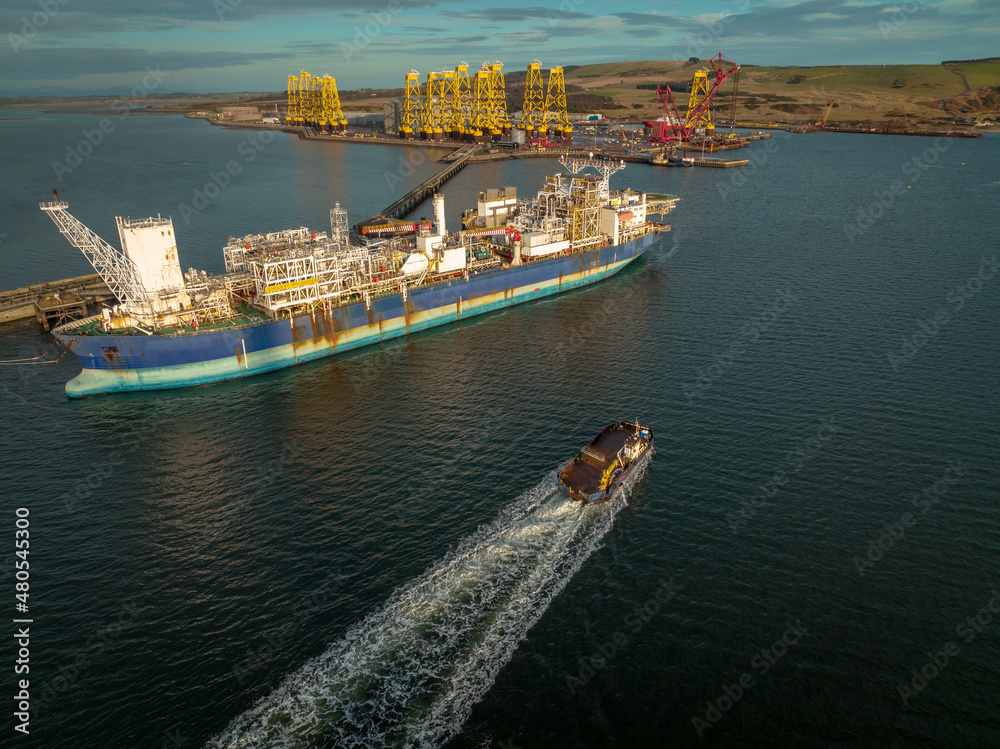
{"points": [[99, 46]]}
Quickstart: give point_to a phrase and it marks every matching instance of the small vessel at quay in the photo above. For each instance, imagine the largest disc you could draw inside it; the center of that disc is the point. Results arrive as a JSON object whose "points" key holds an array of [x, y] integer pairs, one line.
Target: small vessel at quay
{"points": [[602, 466]]}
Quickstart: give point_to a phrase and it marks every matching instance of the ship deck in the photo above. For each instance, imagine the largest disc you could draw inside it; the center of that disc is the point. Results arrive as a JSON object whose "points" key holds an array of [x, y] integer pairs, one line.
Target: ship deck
{"points": [[250, 316], [584, 473], [247, 316]]}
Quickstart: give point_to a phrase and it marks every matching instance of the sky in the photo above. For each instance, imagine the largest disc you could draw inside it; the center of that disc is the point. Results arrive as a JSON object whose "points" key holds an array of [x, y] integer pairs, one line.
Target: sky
{"points": [[54, 47]]}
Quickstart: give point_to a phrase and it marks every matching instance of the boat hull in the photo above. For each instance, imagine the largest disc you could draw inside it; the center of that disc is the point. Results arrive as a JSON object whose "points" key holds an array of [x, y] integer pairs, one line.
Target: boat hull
{"points": [[620, 450], [597, 498], [156, 362]]}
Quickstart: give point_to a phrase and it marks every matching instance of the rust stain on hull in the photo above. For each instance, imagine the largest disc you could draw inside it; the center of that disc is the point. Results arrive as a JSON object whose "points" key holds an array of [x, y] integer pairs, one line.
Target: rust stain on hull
{"points": [[409, 311], [112, 355], [321, 331]]}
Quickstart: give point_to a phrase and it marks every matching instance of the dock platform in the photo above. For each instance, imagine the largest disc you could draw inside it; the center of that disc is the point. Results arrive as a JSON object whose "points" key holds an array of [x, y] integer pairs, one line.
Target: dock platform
{"points": [[721, 163], [20, 304]]}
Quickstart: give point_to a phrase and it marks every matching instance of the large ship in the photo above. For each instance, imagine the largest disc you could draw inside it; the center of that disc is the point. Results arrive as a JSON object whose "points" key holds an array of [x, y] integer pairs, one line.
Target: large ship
{"points": [[293, 296]]}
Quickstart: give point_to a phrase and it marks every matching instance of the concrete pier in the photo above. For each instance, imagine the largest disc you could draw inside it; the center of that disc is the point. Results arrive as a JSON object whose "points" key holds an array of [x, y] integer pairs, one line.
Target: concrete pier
{"points": [[19, 304]]}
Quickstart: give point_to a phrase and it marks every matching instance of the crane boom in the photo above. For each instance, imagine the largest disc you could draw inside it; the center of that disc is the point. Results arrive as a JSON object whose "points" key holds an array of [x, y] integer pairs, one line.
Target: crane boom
{"points": [[826, 114], [673, 127], [117, 269]]}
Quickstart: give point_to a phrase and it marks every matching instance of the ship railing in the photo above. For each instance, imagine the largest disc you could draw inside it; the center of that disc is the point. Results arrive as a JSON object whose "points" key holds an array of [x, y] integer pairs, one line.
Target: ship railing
{"points": [[235, 326], [76, 324]]}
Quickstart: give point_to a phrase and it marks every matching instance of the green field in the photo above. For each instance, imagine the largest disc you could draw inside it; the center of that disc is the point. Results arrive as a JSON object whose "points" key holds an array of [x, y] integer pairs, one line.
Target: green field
{"points": [[862, 92], [933, 80], [981, 73]]}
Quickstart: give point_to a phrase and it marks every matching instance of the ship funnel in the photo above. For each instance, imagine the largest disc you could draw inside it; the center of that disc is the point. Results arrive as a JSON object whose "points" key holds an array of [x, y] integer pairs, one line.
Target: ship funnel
{"points": [[439, 213]]}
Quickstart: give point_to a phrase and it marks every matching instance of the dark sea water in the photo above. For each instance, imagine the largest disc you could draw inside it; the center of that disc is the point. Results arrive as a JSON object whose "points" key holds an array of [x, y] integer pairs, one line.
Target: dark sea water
{"points": [[367, 550]]}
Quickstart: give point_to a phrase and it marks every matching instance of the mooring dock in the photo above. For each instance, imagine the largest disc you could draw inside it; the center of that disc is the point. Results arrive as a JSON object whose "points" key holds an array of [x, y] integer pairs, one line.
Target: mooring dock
{"points": [[721, 163], [427, 188], [55, 302]]}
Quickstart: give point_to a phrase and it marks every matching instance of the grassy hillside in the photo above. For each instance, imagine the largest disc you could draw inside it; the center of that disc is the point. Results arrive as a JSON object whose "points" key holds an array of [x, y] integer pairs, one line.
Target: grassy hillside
{"points": [[918, 93]]}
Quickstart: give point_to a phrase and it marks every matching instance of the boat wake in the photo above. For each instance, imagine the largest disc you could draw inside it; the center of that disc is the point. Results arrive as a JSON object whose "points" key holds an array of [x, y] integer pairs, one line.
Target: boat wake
{"points": [[410, 673]]}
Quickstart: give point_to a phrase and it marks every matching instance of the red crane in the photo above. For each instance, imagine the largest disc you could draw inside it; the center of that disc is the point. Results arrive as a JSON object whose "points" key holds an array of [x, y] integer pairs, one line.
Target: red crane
{"points": [[670, 126]]}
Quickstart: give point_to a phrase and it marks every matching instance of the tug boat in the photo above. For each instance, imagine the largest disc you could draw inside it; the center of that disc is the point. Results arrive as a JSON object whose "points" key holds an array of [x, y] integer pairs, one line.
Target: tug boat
{"points": [[600, 468]]}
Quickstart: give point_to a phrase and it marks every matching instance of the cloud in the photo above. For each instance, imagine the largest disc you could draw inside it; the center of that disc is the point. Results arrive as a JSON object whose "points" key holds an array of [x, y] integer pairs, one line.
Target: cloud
{"points": [[509, 14], [49, 63], [101, 16], [651, 19]]}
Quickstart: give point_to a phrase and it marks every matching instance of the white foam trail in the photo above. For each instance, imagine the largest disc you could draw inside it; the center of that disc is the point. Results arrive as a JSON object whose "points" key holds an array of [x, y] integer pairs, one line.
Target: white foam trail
{"points": [[410, 673]]}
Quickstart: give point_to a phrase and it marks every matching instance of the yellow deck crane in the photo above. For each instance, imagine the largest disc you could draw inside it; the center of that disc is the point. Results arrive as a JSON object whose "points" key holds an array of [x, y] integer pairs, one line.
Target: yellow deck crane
{"points": [[412, 106], [480, 122], [451, 112], [533, 109], [499, 122], [331, 116], [555, 119], [307, 112], [699, 92], [293, 100], [432, 126], [462, 98]]}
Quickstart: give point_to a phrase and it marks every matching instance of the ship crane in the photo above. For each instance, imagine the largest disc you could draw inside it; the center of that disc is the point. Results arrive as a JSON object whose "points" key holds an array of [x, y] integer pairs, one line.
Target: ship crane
{"points": [[118, 270], [670, 126], [826, 114], [604, 167]]}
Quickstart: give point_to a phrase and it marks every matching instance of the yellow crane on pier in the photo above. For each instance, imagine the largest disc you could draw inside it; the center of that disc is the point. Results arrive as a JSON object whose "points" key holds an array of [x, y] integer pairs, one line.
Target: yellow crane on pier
{"points": [[293, 100], [533, 109], [555, 118]]}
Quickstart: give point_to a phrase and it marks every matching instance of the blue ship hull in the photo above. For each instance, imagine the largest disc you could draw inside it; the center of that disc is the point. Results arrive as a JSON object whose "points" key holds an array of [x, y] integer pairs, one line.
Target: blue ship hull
{"points": [[155, 362]]}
